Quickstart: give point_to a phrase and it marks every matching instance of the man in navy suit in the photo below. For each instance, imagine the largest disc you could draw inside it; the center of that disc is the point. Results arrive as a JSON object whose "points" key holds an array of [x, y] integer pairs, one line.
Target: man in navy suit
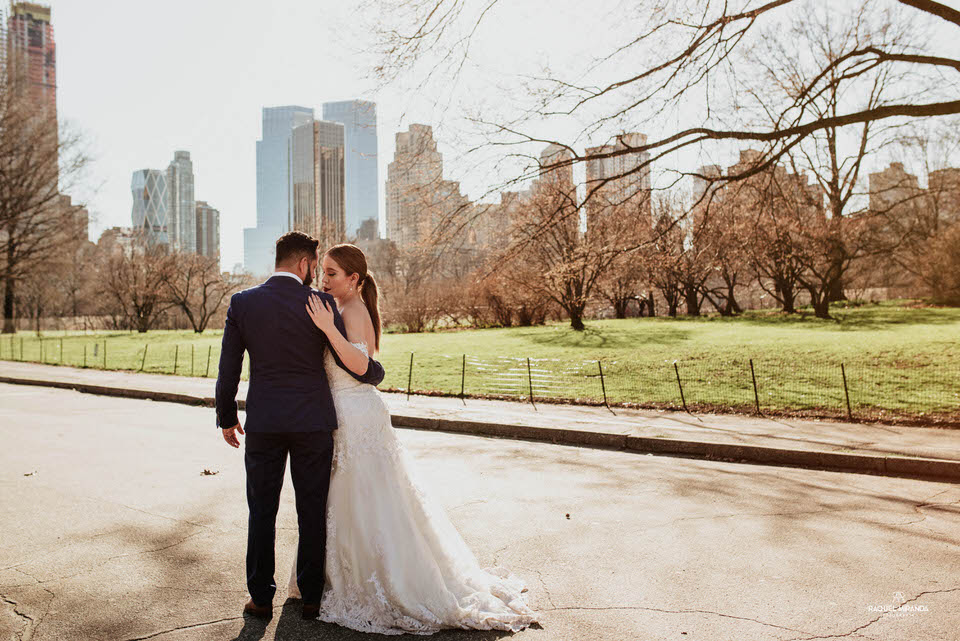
{"points": [[289, 409]]}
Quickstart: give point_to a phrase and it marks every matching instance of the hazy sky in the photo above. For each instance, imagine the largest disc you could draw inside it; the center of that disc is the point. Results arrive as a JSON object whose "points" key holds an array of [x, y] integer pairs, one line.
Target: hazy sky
{"points": [[143, 78]]}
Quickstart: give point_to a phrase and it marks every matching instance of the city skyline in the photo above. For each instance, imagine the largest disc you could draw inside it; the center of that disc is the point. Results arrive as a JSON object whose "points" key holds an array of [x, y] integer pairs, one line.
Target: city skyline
{"points": [[268, 62]]}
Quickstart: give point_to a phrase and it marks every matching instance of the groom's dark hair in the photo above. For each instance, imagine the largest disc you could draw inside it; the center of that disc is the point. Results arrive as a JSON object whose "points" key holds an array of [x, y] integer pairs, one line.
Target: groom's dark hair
{"points": [[293, 246]]}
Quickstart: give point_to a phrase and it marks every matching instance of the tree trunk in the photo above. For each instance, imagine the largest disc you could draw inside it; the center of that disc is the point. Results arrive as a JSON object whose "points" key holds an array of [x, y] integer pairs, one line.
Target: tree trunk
{"points": [[651, 307], [9, 325], [620, 307], [692, 298]]}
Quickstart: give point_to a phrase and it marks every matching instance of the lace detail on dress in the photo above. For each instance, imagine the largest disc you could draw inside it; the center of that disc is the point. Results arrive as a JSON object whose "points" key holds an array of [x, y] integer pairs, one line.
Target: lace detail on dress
{"points": [[394, 562]]}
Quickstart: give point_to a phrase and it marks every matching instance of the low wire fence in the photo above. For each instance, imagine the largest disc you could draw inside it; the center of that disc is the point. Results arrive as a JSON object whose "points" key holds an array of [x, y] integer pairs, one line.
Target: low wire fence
{"points": [[919, 392]]}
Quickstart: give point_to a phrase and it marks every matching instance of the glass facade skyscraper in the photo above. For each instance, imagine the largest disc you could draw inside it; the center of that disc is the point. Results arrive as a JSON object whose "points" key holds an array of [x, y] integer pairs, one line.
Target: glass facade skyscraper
{"points": [[317, 169], [164, 207], [359, 120], [151, 205], [274, 186]]}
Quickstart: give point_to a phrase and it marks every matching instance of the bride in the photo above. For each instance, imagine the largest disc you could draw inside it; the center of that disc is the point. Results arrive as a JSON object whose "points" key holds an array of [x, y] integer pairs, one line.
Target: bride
{"points": [[394, 561]]}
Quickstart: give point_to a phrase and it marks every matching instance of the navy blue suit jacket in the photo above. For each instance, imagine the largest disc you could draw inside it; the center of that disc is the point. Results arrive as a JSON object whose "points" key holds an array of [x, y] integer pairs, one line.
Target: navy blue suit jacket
{"points": [[288, 390]]}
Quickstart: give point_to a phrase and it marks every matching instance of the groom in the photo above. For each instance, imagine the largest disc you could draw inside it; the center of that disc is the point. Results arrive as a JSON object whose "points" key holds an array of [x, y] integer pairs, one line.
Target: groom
{"points": [[289, 411]]}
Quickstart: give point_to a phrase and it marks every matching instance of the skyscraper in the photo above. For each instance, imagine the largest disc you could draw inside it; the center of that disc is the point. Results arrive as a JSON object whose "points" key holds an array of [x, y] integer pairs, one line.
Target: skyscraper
{"points": [[274, 186], [413, 179], [317, 172], [359, 119], [183, 205], [30, 44], [618, 180], [208, 231], [164, 206], [151, 205]]}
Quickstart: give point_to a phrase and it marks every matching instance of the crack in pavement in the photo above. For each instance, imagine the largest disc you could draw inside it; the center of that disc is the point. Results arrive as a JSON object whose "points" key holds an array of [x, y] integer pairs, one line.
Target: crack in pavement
{"points": [[47, 605], [498, 553], [649, 609], [101, 561], [160, 549], [185, 627], [23, 615], [872, 621]]}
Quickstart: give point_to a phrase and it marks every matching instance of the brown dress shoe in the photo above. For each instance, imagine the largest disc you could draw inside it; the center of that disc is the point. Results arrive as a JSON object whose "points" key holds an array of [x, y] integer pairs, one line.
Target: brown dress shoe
{"points": [[310, 611], [259, 611]]}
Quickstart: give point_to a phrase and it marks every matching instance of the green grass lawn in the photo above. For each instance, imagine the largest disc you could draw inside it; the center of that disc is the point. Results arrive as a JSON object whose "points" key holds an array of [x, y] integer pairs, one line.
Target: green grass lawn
{"points": [[899, 360]]}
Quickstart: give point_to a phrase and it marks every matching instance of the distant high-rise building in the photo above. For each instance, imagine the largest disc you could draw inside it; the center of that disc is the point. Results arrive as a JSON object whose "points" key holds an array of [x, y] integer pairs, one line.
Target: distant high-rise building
{"points": [[183, 205], [622, 179], [164, 207], [893, 189], [359, 119], [274, 186], [418, 198], [151, 205], [30, 44], [317, 172], [208, 231]]}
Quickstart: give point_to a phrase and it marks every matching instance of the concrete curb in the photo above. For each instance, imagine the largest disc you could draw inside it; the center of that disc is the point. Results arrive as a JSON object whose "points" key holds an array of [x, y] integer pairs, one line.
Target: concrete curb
{"points": [[894, 466]]}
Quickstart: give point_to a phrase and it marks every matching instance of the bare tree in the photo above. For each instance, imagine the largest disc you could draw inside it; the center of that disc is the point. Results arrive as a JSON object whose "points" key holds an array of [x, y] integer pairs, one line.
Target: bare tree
{"points": [[135, 280], [194, 284], [36, 162], [702, 55]]}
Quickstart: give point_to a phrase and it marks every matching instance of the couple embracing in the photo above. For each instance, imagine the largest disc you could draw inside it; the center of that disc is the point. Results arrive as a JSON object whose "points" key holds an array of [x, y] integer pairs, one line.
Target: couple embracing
{"points": [[375, 554]]}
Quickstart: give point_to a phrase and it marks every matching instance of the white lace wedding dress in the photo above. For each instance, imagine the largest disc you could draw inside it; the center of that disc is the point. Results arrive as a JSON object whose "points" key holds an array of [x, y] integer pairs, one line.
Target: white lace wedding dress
{"points": [[395, 563]]}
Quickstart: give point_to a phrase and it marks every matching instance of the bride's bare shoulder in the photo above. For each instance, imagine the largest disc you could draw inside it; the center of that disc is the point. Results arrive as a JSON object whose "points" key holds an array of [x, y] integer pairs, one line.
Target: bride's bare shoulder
{"points": [[356, 320]]}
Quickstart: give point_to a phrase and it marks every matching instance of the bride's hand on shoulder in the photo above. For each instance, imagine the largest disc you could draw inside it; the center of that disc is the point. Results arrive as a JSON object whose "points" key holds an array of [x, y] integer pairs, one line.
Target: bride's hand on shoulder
{"points": [[322, 314]]}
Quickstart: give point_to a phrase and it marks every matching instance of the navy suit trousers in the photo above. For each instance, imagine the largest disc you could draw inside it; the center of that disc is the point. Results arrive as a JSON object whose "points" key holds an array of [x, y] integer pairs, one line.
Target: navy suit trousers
{"points": [[311, 456]]}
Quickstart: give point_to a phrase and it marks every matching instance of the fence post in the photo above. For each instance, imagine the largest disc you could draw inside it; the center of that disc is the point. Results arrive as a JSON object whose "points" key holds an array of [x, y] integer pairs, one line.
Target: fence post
{"points": [[209, 350], [104, 353], [756, 394], [680, 385], [846, 391], [84, 355], [530, 380], [21, 348], [61, 351], [144, 361], [192, 351], [41, 351], [176, 357], [463, 376], [410, 376], [603, 386]]}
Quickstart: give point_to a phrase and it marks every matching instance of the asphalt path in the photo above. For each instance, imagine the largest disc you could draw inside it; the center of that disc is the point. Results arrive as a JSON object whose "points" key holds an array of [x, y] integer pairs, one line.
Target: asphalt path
{"points": [[125, 519]]}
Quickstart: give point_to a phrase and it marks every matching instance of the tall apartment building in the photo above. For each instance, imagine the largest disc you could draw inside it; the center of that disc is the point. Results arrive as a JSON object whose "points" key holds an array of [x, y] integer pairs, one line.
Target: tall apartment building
{"points": [[317, 173], [893, 188], [359, 120], [274, 186], [616, 181], [944, 195], [418, 198], [208, 231], [30, 44], [183, 204]]}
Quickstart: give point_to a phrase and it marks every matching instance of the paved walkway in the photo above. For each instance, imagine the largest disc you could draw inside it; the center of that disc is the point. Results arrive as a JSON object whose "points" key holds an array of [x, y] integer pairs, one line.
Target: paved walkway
{"points": [[716, 436], [110, 530]]}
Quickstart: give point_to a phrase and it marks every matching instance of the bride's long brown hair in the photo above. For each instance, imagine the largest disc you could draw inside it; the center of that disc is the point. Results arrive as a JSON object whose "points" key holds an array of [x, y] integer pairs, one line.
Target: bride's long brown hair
{"points": [[353, 261]]}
